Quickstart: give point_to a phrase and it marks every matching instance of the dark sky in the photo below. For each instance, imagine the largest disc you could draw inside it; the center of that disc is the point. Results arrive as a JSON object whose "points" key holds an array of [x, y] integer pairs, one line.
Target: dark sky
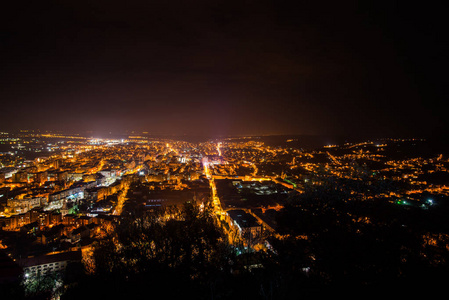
{"points": [[224, 67]]}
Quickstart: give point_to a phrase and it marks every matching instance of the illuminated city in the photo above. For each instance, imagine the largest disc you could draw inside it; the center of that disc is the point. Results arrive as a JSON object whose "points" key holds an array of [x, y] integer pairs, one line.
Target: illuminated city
{"points": [[63, 196], [223, 150]]}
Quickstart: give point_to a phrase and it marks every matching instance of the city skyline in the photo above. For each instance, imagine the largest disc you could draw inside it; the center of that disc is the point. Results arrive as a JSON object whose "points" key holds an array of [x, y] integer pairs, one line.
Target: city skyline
{"points": [[91, 217], [222, 149]]}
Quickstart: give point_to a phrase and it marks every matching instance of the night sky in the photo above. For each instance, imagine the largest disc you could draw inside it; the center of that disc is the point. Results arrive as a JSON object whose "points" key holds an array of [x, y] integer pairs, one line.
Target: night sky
{"points": [[224, 67]]}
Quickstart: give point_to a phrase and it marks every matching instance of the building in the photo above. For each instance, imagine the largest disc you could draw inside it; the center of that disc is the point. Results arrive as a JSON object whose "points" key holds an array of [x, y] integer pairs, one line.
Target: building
{"points": [[40, 177], [46, 264], [8, 171], [20, 176], [24, 205], [75, 192], [61, 175], [248, 227]]}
